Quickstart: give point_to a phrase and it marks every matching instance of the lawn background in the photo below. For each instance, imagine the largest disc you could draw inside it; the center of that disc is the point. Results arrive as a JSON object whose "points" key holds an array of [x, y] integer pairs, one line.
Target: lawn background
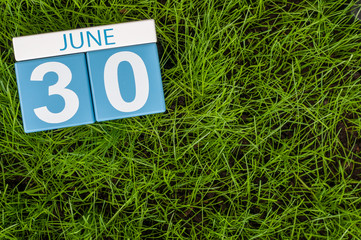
{"points": [[260, 140]]}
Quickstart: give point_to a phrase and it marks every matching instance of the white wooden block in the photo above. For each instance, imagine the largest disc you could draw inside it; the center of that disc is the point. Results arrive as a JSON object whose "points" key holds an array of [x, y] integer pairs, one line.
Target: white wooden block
{"points": [[84, 40]]}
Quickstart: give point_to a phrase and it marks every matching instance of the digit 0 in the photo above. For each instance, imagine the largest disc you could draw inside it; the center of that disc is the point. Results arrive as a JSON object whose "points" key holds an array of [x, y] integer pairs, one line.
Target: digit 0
{"points": [[59, 88], [112, 85]]}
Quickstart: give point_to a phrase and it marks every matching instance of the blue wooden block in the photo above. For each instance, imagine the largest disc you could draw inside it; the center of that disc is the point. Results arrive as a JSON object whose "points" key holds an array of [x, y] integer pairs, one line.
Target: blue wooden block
{"points": [[54, 92], [126, 82]]}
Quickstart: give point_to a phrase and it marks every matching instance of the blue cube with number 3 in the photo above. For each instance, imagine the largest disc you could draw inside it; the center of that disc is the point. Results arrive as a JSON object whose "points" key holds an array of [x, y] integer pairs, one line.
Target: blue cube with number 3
{"points": [[126, 82], [54, 92]]}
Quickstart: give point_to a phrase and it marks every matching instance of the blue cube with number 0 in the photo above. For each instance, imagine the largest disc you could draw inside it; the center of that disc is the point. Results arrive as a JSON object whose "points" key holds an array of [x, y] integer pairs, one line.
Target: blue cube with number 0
{"points": [[54, 92], [126, 82]]}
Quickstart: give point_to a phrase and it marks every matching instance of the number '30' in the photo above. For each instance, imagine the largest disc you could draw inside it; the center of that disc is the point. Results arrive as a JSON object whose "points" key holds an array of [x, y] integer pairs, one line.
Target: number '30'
{"points": [[111, 85]]}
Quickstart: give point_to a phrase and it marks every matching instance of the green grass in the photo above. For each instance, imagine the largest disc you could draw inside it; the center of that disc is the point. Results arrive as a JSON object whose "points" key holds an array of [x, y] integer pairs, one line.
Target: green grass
{"points": [[261, 138]]}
